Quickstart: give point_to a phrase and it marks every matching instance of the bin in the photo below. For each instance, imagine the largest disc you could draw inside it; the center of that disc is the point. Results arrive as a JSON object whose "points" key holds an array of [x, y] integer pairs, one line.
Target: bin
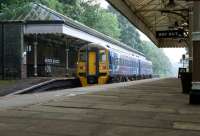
{"points": [[186, 80]]}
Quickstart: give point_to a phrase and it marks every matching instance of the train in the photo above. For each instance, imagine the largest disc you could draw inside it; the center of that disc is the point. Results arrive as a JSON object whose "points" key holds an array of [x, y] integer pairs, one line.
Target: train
{"points": [[101, 64]]}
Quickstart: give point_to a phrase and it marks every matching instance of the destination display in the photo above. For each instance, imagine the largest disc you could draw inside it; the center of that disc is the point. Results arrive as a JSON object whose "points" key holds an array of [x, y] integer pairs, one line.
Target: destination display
{"points": [[170, 34]]}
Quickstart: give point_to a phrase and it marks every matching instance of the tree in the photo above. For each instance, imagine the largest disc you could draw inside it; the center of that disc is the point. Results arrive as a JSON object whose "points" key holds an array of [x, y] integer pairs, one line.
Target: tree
{"points": [[108, 24], [93, 16], [161, 63], [129, 34]]}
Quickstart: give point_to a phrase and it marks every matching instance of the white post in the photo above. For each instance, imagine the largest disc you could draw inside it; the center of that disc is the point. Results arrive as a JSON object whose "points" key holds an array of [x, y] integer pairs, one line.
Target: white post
{"points": [[67, 59], [35, 59]]}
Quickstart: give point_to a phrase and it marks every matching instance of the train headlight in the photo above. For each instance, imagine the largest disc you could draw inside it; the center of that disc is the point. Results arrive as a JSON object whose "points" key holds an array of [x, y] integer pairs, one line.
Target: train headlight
{"points": [[81, 67], [104, 67]]}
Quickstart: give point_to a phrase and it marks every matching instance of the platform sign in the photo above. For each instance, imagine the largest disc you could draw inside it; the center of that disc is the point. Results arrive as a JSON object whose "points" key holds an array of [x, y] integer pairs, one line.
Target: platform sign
{"points": [[170, 34]]}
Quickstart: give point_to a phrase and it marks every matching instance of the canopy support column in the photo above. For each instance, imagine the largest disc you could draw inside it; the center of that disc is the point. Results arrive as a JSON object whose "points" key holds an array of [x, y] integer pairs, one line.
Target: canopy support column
{"points": [[195, 92], [190, 47]]}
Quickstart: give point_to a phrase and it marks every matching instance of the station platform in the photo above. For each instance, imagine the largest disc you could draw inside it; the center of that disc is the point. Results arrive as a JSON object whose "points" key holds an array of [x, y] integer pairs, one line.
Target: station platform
{"points": [[154, 107]]}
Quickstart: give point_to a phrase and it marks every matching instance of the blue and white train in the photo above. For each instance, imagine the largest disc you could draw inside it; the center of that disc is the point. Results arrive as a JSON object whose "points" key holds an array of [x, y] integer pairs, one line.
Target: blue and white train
{"points": [[99, 64]]}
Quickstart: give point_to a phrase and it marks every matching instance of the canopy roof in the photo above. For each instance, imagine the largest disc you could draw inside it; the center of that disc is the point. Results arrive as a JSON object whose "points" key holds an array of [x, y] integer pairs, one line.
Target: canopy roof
{"points": [[157, 15]]}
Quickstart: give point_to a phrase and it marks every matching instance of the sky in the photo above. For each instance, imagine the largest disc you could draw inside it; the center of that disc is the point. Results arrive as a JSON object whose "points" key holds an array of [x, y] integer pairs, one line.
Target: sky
{"points": [[174, 54], [103, 3]]}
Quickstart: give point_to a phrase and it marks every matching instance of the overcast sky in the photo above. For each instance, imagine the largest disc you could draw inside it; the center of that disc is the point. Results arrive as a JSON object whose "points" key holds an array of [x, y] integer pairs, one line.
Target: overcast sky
{"points": [[174, 54], [104, 4]]}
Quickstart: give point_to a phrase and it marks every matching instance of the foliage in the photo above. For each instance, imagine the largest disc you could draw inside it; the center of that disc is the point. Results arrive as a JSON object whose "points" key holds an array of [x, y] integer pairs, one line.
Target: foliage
{"points": [[161, 63], [93, 16], [129, 34], [111, 23], [53, 4]]}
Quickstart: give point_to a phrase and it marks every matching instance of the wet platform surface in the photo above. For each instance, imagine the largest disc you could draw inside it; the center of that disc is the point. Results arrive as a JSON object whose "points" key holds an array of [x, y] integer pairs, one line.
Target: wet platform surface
{"points": [[153, 108]]}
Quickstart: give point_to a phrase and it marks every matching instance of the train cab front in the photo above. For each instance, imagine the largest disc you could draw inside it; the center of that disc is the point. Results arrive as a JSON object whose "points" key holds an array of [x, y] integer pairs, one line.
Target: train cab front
{"points": [[92, 65]]}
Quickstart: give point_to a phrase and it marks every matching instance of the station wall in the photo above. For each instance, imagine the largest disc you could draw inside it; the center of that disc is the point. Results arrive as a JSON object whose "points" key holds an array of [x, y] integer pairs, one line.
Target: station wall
{"points": [[11, 49]]}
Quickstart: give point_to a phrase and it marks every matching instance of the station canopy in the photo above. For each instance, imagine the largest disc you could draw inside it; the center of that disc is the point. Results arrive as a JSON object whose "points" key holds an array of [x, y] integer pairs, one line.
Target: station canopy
{"points": [[160, 20]]}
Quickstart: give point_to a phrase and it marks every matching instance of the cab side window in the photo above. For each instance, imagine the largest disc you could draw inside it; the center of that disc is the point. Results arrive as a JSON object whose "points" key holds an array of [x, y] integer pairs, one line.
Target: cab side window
{"points": [[102, 55]]}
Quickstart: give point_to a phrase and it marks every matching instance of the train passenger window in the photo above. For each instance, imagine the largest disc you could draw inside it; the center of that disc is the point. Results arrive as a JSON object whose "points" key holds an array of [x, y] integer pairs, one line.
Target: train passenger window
{"points": [[83, 55], [116, 61], [102, 55]]}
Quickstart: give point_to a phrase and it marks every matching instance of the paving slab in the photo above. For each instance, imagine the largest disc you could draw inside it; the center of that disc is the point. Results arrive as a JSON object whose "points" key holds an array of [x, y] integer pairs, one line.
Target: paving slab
{"points": [[140, 108]]}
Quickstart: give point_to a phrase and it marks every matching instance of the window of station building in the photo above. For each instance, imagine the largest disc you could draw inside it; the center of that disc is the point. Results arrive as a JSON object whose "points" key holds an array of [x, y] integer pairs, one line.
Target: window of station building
{"points": [[102, 55], [28, 48], [83, 55]]}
